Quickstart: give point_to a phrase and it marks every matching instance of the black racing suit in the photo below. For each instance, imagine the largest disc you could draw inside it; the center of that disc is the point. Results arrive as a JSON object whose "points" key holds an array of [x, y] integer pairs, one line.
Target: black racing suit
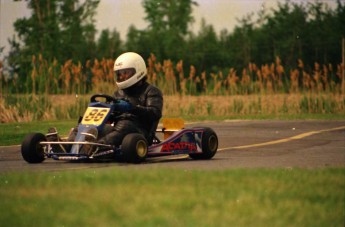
{"points": [[147, 102]]}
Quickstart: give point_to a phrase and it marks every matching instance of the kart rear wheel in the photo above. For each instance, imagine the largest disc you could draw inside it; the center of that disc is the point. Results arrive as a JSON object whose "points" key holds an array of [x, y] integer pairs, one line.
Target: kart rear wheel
{"points": [[209, 145], [134, 148], [32, 150]]}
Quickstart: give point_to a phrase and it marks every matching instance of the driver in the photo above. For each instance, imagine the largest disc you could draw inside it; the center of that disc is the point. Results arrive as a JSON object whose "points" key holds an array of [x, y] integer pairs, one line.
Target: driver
{"points": [[146, 101], [144, 109]]}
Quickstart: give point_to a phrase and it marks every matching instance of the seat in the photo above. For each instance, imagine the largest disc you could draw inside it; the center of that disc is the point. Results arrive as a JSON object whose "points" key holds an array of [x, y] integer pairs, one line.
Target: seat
{"points": [[171, 125]]}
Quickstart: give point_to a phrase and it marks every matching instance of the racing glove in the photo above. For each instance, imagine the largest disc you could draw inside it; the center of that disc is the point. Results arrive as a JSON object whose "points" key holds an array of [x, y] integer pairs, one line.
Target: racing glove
{"points": [[123, 106]]}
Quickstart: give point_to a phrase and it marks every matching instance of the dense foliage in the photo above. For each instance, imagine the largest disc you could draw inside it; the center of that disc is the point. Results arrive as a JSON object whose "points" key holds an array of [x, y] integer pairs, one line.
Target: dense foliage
{"points": [[65, 30]]}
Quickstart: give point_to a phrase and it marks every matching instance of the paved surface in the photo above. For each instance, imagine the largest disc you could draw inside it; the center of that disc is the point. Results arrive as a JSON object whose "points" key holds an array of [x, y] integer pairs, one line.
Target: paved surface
{"points": [[242, 144]]}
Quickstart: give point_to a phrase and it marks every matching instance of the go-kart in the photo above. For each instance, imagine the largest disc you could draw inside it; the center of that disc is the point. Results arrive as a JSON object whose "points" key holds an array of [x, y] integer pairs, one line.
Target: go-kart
{"points": [[175, 139]]}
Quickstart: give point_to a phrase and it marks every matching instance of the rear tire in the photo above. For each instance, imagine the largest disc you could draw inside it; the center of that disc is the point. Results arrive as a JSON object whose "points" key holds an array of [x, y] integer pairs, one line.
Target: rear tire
{"points": [[134, 148], [32, 150], [209, 145]]}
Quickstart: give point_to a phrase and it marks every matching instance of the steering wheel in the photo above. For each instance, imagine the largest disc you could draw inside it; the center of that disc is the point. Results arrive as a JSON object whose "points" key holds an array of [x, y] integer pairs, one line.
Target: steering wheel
{"points": [[108, 98]]}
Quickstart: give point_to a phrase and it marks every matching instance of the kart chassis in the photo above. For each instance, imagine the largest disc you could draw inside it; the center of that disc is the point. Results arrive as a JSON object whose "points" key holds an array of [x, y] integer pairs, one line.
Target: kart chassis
{"points": [[198, 142]]}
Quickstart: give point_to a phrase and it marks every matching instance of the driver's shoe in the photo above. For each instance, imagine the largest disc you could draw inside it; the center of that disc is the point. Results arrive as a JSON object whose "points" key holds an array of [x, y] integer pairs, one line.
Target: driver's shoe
{"points": [[90, 136], [53, 136]]}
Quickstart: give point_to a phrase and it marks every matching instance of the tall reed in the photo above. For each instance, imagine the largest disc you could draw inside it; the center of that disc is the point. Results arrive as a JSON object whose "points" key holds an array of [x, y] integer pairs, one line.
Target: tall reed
{"points": [[172, 78], [228, 92]]}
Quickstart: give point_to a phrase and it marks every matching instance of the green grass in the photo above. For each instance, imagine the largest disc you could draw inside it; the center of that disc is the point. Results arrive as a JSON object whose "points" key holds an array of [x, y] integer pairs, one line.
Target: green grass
{"points": [[127, 196], [14, 133]]}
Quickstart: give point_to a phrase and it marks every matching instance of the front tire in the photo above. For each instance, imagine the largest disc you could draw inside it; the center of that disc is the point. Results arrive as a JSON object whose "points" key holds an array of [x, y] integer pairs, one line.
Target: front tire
{"points": [[209, 145], [134, 148], [32, 150]]}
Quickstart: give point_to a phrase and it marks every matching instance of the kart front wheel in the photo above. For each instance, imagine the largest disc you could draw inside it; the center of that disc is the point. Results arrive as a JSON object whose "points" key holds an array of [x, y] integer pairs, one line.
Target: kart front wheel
{"points": [[32, 150], [209, 145], [134, 148]]}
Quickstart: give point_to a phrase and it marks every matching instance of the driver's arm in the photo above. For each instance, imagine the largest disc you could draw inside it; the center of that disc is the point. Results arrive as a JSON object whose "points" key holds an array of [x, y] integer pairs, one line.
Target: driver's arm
{"points": [[153, 106]]}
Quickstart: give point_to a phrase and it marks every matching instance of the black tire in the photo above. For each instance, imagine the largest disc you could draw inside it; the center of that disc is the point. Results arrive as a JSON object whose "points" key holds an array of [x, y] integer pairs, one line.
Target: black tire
{"points": [[134, 148], [32, 151], [209, 145]]}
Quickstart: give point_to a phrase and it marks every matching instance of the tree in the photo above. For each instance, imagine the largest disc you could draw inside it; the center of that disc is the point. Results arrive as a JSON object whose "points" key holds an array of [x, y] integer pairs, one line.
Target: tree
{"points": [[140, 42], [57, 29], [203, 48], [242, 42], [286, 29], [76, 22], [168, 25], [326, 29], [109, 44]]}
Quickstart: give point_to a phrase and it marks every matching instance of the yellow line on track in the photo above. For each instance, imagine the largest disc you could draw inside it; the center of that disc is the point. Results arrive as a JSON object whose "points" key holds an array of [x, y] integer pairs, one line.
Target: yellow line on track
{"points": [[300, 136]]}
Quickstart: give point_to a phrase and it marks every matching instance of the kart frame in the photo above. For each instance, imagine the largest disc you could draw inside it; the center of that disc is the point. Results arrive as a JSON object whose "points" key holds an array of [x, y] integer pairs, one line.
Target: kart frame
{"points": [[197, 142]]}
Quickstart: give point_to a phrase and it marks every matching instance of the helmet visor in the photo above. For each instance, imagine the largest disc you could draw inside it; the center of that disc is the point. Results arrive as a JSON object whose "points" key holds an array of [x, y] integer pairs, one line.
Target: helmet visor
{"points": [[124, 74]]}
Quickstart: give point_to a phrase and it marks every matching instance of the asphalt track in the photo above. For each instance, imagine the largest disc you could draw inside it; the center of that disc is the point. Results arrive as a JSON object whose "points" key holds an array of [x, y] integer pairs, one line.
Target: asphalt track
{"points": [[242, 144]]}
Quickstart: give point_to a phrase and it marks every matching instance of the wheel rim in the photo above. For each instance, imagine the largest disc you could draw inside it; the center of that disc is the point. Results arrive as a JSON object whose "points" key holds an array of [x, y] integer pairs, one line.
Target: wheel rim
{"points": [[141, 148], [212, 143]]}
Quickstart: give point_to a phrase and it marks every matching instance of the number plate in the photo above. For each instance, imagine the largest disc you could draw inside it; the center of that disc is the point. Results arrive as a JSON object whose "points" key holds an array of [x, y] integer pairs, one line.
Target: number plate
{"points": [[95, 115]]}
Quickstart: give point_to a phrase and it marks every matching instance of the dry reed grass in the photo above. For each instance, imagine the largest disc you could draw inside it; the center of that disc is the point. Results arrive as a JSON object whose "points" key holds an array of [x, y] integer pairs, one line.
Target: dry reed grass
{"points": [[97, 76], [71, 107], [56, 91], [241, 105]]}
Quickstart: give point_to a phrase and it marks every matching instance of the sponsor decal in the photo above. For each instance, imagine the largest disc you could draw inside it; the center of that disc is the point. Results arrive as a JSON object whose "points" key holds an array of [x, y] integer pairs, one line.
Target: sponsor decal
{"points": [[178, 147]]}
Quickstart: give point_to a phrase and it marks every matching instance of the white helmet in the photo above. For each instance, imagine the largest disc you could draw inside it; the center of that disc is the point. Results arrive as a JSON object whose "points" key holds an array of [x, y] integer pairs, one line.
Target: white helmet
{"points": [[130, 62]]}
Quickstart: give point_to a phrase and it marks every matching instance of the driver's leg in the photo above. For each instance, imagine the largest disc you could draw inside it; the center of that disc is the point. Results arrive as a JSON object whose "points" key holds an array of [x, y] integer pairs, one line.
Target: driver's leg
{"points": [[115, 135], [53, 136]]}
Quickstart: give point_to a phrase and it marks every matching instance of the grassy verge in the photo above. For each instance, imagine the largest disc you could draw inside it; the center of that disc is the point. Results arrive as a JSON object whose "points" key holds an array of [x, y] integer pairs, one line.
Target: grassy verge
{"points": [[14, 133], [162, 197]]}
